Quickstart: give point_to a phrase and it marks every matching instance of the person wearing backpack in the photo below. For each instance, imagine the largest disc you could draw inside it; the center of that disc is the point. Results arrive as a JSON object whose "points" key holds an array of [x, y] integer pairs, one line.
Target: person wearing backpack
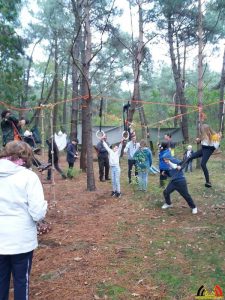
{"points": [[143, 160]]}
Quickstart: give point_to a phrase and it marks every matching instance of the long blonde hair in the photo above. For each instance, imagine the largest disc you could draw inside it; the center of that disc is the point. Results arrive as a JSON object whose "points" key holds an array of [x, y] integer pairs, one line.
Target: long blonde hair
{"points": [[206, 132]]}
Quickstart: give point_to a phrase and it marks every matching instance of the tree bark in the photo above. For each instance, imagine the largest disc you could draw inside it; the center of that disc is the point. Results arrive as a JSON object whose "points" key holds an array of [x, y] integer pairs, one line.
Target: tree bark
{"points": [[87, 146], [76, 50], [178, 81], [66, 93], [200, 73], [27, 77], [221, 105], [56, 83], [135, 101]]}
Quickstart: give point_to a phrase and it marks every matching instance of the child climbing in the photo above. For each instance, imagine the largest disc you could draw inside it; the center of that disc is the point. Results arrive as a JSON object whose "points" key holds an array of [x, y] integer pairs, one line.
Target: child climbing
{"points": [[114, 162]]}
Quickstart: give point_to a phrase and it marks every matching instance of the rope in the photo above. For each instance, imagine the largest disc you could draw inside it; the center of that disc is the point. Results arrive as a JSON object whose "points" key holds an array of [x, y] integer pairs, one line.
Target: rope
{"points": [[222, 117], [52, 152], [86, 97], [42, 134], [100, 114]]}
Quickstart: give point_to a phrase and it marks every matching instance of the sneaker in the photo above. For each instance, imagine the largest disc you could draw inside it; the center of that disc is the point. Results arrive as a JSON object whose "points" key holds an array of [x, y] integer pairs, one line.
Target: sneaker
{"points": [[113, 194], [102, 180], [208, 184], [194, 211], [165, 206], [118, 195], [107, 179]]}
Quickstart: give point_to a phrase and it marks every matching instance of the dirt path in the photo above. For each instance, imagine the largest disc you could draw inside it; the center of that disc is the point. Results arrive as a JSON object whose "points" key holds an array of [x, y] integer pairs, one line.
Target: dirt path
{"points": [[73, 258]]}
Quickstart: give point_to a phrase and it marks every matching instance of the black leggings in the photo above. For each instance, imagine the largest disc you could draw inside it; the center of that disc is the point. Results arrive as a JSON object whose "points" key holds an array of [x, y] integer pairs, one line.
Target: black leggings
{"points": [[131, 163], [205, 152]]}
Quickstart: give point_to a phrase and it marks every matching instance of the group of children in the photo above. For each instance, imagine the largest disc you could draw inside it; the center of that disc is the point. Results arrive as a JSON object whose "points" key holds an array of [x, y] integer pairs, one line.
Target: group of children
{"points": [[139, 156], [169, 166]]}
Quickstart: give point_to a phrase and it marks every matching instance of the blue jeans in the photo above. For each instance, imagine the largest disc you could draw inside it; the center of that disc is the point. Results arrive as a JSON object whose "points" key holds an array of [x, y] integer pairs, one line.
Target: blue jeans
{"points": [[188, 167], [131, 163], [115, 177], [19, 265], [143, 180]]}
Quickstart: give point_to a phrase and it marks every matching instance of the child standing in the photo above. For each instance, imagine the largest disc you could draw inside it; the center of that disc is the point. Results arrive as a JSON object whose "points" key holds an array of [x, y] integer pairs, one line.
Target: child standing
{"points": [[71, 155], [187, 154], [114, 162], [143, 159], [131, 147], [177, 183]]}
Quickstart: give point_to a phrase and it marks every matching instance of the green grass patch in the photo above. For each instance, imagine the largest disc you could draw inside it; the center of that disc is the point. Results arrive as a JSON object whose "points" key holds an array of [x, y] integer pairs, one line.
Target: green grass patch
{"points": [[110, 290]]}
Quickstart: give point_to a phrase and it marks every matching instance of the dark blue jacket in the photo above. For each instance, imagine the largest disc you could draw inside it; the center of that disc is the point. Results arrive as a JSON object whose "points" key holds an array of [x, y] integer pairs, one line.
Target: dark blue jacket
{"points": [[162, 165], [174, 174], [70, 152], [102, 152]]}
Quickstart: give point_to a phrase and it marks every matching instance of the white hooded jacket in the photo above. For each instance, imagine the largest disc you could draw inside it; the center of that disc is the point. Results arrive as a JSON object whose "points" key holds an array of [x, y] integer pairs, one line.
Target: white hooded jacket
{"points": [[21, 205]]}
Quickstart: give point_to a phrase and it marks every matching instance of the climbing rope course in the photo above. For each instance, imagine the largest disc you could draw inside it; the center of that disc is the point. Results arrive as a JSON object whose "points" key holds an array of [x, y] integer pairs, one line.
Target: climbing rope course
{"points": [[50, 106]]}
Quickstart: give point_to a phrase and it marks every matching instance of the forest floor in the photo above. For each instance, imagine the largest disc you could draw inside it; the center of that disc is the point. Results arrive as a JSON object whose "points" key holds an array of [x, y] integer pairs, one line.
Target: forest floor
{"points": [[127, 248]]}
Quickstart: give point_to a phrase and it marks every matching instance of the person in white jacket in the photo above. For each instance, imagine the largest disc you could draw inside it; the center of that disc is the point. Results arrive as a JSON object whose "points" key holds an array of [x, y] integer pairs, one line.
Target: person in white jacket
{"points": [[114, 162], [22, 204]]}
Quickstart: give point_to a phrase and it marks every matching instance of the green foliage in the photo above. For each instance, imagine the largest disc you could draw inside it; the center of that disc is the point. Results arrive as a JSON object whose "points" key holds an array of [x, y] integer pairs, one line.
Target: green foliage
{"points": [[11, 49]]}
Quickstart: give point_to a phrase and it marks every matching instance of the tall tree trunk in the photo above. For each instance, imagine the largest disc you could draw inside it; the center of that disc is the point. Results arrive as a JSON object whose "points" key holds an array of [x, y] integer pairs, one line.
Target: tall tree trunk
{"points": [[76, 47], [222, 104], [178, 81], [135, 101], [56, 83], [36, 115], [27, 77], [87, 104], [75, 103], [176, 109], [200, 72], [66, 93]]}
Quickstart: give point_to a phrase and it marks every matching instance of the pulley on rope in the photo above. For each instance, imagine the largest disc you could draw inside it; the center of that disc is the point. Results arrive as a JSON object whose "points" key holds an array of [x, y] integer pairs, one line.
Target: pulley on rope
{"points": [[126, 134], [100, 133]]}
